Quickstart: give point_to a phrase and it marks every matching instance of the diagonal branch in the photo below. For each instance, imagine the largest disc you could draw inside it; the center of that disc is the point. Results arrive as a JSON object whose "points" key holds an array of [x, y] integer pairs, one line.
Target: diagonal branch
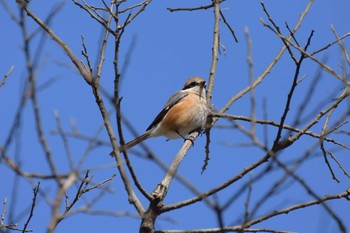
{"points": [[85, 73]]}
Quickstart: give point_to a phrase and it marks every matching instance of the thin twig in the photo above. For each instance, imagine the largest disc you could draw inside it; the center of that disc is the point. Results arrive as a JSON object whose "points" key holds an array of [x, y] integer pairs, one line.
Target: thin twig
{"points": [[346, 55], [310, 55], [251, 81], [206, 7], [3, 212], [34, 97], [94, 15], [5, 76], [272, 123], [85, 74], [324, 133], [35, 191], [339, 164], [103, 49], [276, 29], [127, 160], [85, 54], [270, 66], [247, 201], [229, 26], [330, 44], [64, 140], [289, 209]]}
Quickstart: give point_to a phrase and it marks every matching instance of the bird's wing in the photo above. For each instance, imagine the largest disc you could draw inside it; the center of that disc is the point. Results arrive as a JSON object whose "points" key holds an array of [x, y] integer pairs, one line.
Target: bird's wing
{"points": [[174, 99]]}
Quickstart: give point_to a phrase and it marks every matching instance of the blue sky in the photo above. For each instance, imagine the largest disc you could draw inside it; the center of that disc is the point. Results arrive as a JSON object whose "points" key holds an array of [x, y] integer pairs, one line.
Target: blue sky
{"points": [[166, 48]]}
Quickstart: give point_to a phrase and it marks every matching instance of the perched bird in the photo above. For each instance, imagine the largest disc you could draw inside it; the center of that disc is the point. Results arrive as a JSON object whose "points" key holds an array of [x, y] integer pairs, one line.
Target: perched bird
{"points": [[185, 111]]}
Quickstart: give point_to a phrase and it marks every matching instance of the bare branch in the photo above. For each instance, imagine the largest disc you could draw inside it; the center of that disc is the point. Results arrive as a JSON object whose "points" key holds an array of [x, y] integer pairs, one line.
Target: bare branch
{"points": [[215, 50], [345, 195], [270, 66], [272, 123], [87, 75]]}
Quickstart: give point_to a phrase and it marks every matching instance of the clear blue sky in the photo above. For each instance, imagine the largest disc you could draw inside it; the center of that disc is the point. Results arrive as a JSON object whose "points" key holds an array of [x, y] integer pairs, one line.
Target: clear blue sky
{"points": [[166, 49]]}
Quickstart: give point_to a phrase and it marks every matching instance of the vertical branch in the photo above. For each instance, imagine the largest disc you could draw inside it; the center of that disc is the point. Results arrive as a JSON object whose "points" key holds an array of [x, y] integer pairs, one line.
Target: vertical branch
{"points": [[212, 72], [297, 62], [118, 35], [247, 202], [64, 140], [215, 49], [251, 81], [103, 49], [33, 95]]}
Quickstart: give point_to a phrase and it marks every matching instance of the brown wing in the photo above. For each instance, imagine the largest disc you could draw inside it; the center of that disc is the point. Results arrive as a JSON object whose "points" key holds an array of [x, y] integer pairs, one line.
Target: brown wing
{"points": [[174, 99]]}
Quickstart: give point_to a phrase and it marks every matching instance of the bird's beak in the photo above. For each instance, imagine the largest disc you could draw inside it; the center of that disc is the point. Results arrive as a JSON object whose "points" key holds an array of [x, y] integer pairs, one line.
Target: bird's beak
{"points": [[202, 86]]}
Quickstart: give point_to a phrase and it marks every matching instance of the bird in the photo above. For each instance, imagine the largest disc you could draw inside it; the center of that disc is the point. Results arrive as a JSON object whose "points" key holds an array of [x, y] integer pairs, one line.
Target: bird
{"points": [[185, 111]]}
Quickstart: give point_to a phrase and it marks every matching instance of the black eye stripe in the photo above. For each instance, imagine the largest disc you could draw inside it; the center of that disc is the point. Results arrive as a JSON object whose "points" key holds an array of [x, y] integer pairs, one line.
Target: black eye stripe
{"points": [[190, 85], [193, 84]]}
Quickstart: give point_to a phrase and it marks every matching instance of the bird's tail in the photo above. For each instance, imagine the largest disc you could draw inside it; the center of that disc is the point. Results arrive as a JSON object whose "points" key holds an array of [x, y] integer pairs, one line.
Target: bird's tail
{"points": [[137, 140]]}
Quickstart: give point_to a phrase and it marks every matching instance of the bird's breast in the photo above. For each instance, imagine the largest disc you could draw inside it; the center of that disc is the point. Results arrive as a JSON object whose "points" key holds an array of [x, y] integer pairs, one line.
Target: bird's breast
{"points": [[184, 117]]}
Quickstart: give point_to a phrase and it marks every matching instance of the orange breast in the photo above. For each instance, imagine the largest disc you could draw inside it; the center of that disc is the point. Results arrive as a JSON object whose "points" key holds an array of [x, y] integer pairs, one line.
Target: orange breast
{"points": [[185, 116]]}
